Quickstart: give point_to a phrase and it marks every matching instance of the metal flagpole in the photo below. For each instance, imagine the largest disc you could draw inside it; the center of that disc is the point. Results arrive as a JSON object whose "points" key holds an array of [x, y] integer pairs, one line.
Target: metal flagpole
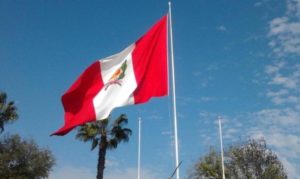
{"points": [[174, 92], [221, 141], [139, 150]]}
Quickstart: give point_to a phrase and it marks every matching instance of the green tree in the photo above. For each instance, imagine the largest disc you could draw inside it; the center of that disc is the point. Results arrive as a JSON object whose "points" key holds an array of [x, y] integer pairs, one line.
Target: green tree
{"points": [[255, 160], [23, 159], [208, 167], [8, 111], [251, 160], [105, 136]]}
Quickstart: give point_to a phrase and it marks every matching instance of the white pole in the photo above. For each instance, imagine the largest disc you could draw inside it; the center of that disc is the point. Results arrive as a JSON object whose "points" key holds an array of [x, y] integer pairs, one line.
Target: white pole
{"points": [[139, 150], [174, 93], [221, 141]]}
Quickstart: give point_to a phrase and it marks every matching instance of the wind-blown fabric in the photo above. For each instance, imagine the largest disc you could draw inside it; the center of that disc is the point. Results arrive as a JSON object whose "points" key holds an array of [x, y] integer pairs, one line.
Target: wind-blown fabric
{"points": [[132, 76]]}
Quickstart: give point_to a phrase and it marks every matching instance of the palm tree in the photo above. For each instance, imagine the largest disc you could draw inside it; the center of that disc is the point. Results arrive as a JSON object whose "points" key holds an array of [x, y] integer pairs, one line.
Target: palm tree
{"points": [[106, 136], [8, 111]]}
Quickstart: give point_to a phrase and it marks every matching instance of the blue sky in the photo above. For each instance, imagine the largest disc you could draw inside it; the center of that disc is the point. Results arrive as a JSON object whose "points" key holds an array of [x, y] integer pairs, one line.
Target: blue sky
{"points": [[236, 59]]}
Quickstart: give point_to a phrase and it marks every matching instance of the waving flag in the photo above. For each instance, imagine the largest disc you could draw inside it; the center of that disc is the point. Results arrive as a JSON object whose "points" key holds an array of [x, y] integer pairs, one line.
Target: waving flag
{"points": [[132, 76]]}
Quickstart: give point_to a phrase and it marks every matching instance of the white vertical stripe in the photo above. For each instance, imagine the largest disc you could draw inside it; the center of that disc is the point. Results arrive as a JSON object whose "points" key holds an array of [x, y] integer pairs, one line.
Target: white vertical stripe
{"points": [[115, 94], [110, 64]]}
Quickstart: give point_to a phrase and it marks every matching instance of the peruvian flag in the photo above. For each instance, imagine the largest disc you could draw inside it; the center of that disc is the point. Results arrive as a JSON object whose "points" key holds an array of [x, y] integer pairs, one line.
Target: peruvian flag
{"points": [[132, 76]]}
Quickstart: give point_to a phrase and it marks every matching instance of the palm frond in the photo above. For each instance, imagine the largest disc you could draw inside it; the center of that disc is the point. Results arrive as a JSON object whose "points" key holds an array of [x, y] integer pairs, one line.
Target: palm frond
{"points": [[103, 123], [120, 134], [113, 134], [112, 144], [87, 132], [95, 143], [1, 126], [3, 97], [121, 120], [8, 111]]}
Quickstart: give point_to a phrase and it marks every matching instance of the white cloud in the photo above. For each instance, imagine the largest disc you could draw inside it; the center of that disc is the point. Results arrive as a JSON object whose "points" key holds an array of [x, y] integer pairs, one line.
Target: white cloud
{"points": [[208, 117], [130, 173], [207, 99], [283, 74], [284, 32], [283, 117], [278, 25], [280, 125], [257, 4], [230, 133], [168, 133], [285, 142], [287, 82], [72, 172], [293, 6], [284, 81], [185, 101], [221, 28], [281, 140], [111, 162], [274, 68], [291, 168], [281, 92], [279, 100]]}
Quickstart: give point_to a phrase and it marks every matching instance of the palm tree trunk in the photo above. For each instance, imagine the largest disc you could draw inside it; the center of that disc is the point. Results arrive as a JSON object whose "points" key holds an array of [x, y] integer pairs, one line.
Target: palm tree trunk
{"points": [[101, 157]]}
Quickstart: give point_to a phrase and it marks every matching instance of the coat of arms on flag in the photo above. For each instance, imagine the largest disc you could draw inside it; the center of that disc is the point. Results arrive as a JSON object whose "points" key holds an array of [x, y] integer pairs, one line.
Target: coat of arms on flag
{"points": [[117, 76], [140, 71]]}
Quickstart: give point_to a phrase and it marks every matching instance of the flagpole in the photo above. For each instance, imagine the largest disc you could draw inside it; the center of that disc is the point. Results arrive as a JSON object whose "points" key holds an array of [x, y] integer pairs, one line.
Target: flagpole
{"points": [[174, 93], [139, 149], [221, 141]]}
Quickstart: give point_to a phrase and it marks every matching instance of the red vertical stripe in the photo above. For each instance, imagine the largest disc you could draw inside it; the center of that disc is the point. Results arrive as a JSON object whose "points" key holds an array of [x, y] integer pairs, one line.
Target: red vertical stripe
{"points": [[78, 100], [150, 63], [150, 68]]}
